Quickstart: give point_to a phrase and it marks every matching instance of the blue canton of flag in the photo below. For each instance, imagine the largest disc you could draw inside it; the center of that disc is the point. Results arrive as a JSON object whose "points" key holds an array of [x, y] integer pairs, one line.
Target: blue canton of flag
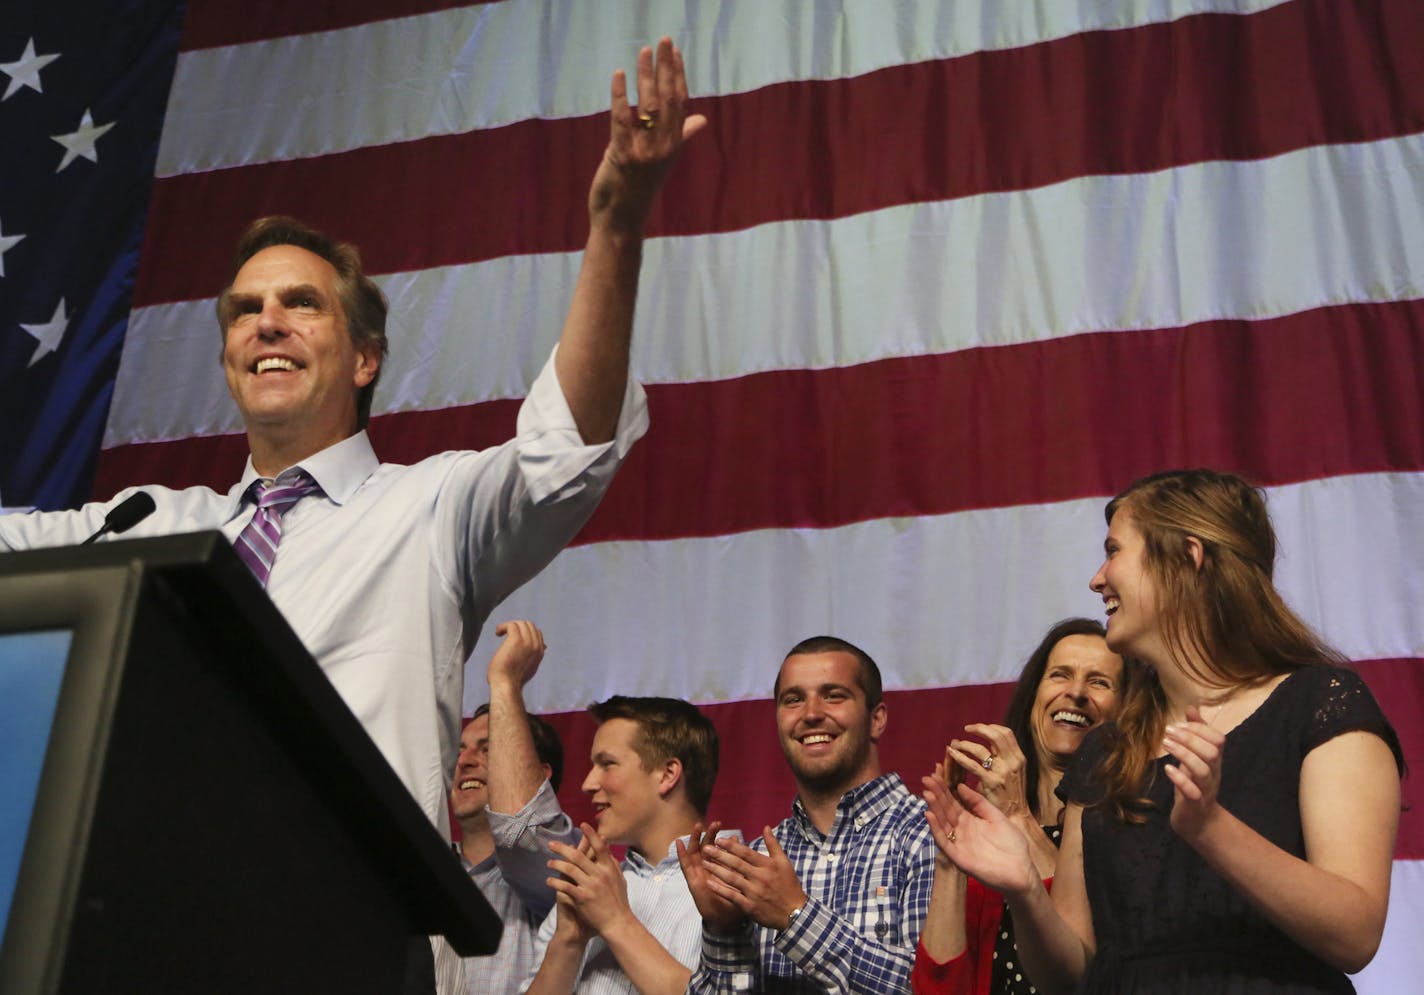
{"points": [[83, 88]]}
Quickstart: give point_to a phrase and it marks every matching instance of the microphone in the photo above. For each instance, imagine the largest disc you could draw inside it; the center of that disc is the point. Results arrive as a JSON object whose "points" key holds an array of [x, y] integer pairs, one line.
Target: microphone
{"points": [[125, 515]]}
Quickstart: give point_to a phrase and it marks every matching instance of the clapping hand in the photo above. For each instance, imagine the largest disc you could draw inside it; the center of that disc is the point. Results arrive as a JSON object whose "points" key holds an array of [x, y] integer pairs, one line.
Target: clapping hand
{"points": [[590, 881], [763, 886], [719, 914], [1197, 774], [976, 837], [1000, 766], [570, 927]]}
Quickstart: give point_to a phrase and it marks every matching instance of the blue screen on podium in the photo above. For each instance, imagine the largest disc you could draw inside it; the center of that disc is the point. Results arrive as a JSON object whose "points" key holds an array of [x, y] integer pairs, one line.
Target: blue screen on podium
{"points": [[31, 669]]}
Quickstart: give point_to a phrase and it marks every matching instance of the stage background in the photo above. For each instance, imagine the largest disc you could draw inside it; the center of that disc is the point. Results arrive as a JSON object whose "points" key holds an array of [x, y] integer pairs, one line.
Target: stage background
{"points": [[937, 279]]}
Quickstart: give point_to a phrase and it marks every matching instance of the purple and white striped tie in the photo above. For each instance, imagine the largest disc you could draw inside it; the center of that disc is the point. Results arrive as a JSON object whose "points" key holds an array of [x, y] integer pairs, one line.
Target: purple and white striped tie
{"points": [[257, 543]]}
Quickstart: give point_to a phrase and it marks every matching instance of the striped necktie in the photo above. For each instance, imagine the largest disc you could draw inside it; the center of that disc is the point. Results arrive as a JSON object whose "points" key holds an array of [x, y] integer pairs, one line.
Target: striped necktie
{"points": [[257, 544]]}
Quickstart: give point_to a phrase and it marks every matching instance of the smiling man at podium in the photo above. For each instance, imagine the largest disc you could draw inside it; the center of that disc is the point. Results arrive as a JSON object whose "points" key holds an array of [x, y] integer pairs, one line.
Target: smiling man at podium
{"points": [[387, 572]]}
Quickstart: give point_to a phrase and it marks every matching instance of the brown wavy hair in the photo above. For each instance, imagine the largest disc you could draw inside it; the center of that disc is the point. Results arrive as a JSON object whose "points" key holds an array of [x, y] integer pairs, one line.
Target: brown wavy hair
{"points": [[1224, 622]]}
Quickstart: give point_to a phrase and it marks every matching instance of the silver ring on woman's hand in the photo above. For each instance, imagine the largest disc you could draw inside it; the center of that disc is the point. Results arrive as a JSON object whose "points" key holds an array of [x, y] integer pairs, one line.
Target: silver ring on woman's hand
{"points": [[988, 762]]}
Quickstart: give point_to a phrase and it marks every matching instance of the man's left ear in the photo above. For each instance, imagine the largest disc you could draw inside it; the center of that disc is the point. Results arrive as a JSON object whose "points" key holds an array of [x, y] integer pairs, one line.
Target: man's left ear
{"points": [[1195, 551], [670, 776], [368, 364], [879, 716]]}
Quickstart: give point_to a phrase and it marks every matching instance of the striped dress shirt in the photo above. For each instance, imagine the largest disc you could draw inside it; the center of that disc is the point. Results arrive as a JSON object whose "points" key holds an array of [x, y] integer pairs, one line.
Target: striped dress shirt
{"points": [[514, 881], [658, 895]]}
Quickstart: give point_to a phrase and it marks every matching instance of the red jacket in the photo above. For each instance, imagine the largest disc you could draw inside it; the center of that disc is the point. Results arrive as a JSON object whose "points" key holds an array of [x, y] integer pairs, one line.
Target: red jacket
{"points": [[971, 971]]}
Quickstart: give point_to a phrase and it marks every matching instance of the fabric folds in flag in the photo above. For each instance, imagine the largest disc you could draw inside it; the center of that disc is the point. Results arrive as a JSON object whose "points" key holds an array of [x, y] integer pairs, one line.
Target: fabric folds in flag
{"points": [[82, 93], [935, 282]]}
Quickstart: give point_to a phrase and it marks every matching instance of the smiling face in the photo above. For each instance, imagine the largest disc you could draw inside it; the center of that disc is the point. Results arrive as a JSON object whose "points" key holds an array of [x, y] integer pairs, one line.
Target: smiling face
{"points": [[287, 353], [470, 793], [1129, 592], [826, 730], [625, 794], [1078, 692]]}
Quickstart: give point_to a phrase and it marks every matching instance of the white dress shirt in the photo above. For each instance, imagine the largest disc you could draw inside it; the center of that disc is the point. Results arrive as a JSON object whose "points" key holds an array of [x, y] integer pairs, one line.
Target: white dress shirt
{"points": [[389, 574]]}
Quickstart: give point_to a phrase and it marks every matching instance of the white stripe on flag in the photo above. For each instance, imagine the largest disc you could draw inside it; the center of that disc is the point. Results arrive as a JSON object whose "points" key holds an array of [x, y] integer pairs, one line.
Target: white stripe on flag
{"points": [[453, 71], [1213, 240], [728, 605]]}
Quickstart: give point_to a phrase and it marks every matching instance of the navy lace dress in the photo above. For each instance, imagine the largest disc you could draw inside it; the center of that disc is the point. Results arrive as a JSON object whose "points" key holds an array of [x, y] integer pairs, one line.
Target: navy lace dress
{"points": [[1164, 921]]}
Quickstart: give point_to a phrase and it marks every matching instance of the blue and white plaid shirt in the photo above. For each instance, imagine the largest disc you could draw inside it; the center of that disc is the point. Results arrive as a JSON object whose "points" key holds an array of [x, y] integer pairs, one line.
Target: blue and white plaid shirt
{"points": [[869, 885]]}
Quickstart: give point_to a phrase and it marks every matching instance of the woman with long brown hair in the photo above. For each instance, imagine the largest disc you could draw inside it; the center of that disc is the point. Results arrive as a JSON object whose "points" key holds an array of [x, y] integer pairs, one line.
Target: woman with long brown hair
{"points": [[1234, 829]]}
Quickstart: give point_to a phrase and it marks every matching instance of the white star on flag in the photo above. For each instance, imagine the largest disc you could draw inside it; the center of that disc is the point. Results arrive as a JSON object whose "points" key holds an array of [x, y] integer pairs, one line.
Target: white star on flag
{"points": [[80, 142], [7, 242], [49, 334], [25, 71]]}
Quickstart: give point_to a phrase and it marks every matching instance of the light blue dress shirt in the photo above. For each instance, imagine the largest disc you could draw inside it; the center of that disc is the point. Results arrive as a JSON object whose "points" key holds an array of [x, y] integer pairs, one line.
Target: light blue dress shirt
{"points": [[389, 574], [658, 896]]}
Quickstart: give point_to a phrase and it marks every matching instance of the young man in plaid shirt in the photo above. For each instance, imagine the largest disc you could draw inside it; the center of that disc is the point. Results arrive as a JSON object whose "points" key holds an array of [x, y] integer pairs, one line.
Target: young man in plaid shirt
{"points": [[833, 900]]}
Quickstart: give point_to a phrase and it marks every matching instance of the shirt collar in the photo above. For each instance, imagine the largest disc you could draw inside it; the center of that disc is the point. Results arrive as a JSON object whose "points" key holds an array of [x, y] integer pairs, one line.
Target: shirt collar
{"points": [[858, 807], [645, 868], [339, 469]]}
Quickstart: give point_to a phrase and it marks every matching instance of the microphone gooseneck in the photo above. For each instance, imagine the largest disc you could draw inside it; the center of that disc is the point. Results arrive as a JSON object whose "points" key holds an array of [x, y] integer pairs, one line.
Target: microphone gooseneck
{"points": [[125, 515]]}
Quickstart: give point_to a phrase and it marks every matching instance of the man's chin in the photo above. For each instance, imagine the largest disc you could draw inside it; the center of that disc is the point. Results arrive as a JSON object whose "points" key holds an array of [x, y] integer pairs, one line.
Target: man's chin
{"points": [[265, 411], [821, 775], [466, 810]]}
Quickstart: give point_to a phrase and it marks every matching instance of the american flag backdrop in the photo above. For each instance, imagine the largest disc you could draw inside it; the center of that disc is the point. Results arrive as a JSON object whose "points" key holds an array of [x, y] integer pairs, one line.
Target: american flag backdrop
{"points": [[938, 279]]}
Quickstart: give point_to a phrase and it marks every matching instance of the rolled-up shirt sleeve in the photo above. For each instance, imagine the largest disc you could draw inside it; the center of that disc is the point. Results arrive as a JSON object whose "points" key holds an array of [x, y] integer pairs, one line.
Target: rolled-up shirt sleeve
{"points": [[521, 847], [552, 455], [504, 513]]}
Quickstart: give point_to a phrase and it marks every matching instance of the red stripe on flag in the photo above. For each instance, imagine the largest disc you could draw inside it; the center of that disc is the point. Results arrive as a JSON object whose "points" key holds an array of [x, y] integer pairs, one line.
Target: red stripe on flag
{"points": [[921, 723], [1317, 394], [211, 23], [837, 148], [1399, 687]]}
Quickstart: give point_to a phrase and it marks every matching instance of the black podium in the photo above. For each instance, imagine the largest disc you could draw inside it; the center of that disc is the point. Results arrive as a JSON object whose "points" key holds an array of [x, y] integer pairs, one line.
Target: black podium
{"points": [[209, 815]]}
